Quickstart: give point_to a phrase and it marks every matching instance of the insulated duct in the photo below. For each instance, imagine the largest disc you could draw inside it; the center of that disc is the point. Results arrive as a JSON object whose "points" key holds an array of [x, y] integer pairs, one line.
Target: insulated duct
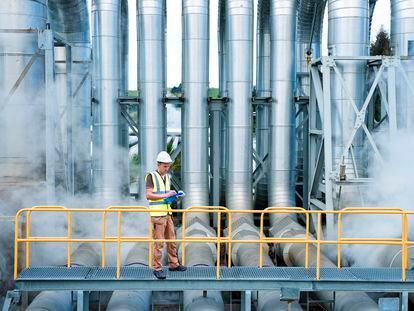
{"points": [[294, 255], [70, 20], [262, 90], [223, 60], [151, 84], [281, 187], [195, 71], [239, 30], [108, 170], [124, 127], [247, 255], [132, 300], [84, 255], [402, 43], [26, 108], [195, 49], [348, 17], [200, 254]]}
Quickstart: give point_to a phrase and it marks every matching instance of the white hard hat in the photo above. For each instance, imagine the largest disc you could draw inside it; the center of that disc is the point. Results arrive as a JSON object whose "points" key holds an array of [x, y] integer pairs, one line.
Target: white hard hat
{"points": [[164, 157]]}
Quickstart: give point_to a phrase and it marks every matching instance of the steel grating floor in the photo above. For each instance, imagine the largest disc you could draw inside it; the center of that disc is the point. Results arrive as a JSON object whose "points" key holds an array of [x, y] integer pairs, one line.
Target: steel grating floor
{"points": [[235, 278]]}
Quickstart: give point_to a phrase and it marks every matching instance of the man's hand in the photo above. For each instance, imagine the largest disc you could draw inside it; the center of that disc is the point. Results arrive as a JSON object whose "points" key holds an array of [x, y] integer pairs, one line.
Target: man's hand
{"points": [[170, 193]]}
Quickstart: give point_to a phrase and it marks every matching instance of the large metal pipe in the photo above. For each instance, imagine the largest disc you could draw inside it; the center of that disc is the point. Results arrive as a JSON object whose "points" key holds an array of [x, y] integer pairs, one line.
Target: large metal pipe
{"points": [[132, 300], [195, 72], [84, 255], [294, 255], [223, 59], [25, 109], [70, 19], [247, 255], [346, 17], [262, 90], [124, 62], [107, 148], [402, 43], [309, 34], [200, 254], [282, 120], [151, 83], [239, 30]]}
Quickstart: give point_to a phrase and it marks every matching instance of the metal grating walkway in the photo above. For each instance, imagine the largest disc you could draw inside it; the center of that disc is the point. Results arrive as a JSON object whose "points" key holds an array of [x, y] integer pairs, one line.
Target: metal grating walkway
{"points": [[235, 278]]}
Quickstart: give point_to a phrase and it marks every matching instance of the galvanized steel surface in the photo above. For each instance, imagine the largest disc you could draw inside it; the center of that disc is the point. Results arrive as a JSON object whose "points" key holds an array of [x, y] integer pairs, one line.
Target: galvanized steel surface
{"points": [[23, 158], [107, 147], [195, 82], [281, 188], [151, 84], [239, 30], [348, 36]]}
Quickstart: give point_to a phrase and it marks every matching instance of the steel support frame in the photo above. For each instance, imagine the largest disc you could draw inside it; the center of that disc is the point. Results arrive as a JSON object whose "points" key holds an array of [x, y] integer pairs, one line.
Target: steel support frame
{"points": [[324, 181]]}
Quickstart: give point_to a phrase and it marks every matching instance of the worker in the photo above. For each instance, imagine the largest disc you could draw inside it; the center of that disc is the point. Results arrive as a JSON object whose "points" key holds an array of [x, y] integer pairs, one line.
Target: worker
{"points": [[158, 188]]}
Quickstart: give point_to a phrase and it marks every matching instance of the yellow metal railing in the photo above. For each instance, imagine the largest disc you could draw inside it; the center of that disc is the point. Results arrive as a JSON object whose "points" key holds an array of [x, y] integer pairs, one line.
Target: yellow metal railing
{"points": [[220, 211]]}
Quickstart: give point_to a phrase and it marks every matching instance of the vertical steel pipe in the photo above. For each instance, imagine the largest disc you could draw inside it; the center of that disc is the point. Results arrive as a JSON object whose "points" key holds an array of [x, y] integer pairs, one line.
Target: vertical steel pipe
{"points": [[402, 43], [106, 59], [151, 84], [70, 19], [195, 69], [26, 108], [348, 36], [239, 30], [223, 59], [262, 90], [282, 120], [309, 34], [124, 61]]}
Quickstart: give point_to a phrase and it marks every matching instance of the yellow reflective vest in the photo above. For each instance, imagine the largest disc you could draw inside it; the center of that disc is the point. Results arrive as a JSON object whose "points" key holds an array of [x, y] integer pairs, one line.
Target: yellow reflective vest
{"points": [[159, 188]]}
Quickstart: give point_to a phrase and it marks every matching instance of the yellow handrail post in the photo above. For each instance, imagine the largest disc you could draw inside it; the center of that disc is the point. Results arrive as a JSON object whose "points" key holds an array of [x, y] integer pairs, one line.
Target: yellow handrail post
{"points": [[118, 251], [404, 236], [307, 242], [318, 250], [27, 255], [16, 244], [103, 239], [339, 238], [218, 245], [230, 219], [69, 215], [184, 226], [261, 240]]}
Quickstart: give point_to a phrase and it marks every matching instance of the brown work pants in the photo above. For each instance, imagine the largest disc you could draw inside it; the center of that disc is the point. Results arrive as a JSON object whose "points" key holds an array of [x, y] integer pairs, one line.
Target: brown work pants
{"points": [[163, 228]]}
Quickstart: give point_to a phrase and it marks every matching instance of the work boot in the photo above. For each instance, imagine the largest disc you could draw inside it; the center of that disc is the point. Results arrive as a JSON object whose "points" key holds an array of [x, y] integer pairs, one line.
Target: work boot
{"points": [[160, 274], [180, 268]]}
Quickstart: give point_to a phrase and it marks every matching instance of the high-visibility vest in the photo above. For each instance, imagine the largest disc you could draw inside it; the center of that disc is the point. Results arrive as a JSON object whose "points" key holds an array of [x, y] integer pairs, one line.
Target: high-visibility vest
{"points": [[159, 188]]}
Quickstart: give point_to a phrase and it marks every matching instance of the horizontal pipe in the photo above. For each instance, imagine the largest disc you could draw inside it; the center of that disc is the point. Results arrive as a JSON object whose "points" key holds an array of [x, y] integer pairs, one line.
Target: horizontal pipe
{"points": [[84, 255]]}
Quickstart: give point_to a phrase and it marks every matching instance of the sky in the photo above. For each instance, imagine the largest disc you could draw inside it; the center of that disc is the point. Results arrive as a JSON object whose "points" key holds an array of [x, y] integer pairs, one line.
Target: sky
{"points": [[381, 18]]}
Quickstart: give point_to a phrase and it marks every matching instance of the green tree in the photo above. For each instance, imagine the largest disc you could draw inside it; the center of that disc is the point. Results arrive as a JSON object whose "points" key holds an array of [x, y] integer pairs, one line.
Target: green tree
{"points": [[382, 44]]}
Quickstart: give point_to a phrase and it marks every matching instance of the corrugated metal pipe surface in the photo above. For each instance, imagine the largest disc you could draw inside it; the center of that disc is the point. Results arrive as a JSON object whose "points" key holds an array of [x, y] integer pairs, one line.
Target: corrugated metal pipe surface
{"points": [[281, 187], [195, 52], [239, 31], [107, 148], [151, 84]]}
